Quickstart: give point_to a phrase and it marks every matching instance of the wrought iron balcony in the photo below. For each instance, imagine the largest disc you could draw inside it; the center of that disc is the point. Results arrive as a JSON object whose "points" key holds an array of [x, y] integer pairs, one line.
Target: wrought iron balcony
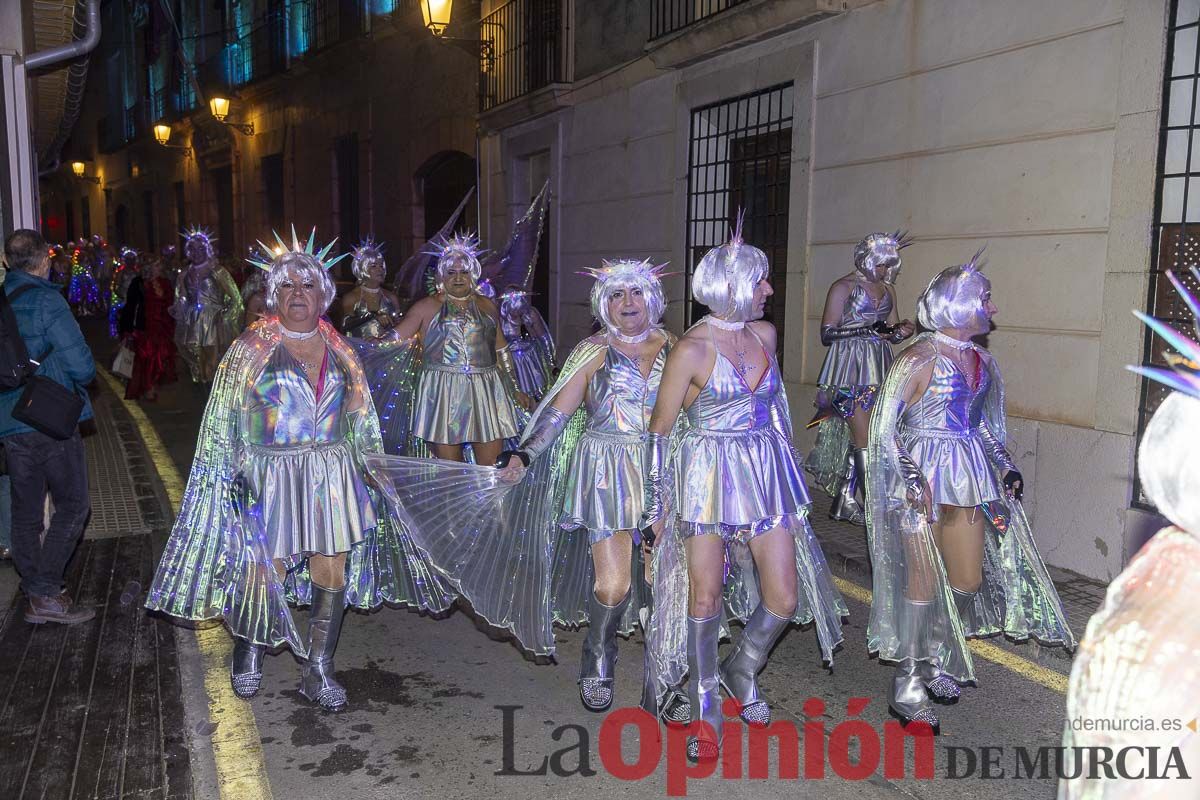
{"points": [[668, 16], [523, 49]]}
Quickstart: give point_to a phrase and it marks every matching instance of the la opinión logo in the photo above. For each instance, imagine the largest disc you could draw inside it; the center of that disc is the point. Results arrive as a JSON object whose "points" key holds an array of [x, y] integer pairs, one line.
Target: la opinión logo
{"points": [[821, 752]]}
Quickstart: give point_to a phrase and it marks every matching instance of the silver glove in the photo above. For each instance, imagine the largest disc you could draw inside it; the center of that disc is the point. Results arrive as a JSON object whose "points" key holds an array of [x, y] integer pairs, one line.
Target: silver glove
{"points": [[545, 430], [655, 478]]}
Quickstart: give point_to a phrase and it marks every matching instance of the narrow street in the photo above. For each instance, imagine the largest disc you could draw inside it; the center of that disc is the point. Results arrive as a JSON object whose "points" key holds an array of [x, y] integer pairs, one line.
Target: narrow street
{"points": [[133, 706]]}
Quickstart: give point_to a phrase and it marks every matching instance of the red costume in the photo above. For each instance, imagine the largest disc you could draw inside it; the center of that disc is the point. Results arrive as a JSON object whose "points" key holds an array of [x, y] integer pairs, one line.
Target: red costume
{"points": [[153, 336]]}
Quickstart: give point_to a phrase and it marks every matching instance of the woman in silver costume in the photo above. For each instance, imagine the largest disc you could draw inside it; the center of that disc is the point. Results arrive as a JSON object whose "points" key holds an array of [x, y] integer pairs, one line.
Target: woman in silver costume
{"points": [[859, 326], [952, 551], [529, 340], [279, 487], [369, 310], [1138, 659], [208, 307], [608, 385], [737, 484], [467, 391]]}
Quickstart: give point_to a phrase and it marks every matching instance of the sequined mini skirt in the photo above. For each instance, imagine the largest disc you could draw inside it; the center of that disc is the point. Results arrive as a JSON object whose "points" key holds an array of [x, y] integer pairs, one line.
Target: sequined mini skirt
{"points": [[954, 463], [456, 405], [737, 478], [311, 497], [604, 484]]}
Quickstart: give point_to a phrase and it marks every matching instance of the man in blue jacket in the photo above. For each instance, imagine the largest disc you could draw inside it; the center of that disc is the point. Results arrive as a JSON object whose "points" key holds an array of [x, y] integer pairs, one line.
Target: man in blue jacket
{"points": [[38, 463]]}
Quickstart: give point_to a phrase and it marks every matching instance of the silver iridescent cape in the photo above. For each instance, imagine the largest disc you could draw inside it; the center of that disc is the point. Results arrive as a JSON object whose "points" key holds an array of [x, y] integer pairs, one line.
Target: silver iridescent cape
{"points": [[1017, 597], [216, 563]]}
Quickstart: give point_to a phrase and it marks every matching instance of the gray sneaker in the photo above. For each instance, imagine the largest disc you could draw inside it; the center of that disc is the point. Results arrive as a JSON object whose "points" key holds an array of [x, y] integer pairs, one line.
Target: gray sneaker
{"points": [[57, 608]]}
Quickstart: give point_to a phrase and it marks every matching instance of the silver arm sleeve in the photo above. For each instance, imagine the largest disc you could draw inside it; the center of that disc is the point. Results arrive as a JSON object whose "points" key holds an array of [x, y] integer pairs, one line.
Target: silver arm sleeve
{"points": [[546, 428], [831, 333], [655, 478], [995, 449]]}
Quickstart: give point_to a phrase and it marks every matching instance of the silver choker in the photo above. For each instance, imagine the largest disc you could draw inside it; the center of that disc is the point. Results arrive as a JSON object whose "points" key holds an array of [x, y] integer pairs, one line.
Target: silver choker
{"points": [[295, 335], [724, 324], [635, 339], [952, 342], [369, 290]]}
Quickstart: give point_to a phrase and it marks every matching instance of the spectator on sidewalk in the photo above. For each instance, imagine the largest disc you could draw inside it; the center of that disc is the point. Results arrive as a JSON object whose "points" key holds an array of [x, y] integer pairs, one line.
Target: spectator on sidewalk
{"points": [[37, 463]]}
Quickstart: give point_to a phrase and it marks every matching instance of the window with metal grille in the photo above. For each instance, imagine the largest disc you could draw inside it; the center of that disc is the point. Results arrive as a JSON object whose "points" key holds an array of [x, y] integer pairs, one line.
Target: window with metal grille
{"points": [[739, 157], [668, 16], [1176, 230]]}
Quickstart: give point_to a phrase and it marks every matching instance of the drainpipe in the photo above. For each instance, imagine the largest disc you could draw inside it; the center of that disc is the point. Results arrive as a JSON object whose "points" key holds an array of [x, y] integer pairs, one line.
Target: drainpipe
{"points": [[72, 50]]}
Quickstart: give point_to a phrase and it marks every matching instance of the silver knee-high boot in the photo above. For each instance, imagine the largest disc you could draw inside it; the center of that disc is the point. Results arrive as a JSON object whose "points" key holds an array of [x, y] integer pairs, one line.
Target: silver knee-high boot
{"points": [[740, 668], [845, 504], [909, 700], [317, 682], [245, 669], [600, 653], [964, 602], [704, 685], [941, 686]]}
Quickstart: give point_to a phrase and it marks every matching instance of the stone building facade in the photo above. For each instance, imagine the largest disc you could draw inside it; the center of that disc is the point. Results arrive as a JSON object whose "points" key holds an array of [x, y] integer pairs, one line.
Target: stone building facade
{"points": [[1028, 126]]}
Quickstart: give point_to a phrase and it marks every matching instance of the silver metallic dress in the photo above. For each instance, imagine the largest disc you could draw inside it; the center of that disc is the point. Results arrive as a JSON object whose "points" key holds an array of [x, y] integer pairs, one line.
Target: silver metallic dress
{"points": [[1017, 597], [461, 396], [299, 461], [604, 477], [736, 468], [851, 375], [941, 431], [206, 308], [371, 329], [533, 356]]}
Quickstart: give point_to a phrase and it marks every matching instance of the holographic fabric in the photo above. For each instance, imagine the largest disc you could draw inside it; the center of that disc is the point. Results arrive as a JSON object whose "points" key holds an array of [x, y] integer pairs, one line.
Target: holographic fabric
{"points": [[735, 467], [1140, 657], [461, 396], [861, 361], [217, 562], [850, 376], [941, 433], [371, 329], [1017, 597], [299, 462], [604, 477], [208, 312], [534, 364], [744, 458]]}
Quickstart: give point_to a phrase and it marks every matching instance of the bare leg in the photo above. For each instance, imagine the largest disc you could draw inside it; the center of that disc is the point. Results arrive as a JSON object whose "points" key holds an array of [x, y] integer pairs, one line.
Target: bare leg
{"points": [[859, 425], [612, 559], [486, 453], [959, 537], [328, 571], [447, 452], [706, 574], [775, 559]]}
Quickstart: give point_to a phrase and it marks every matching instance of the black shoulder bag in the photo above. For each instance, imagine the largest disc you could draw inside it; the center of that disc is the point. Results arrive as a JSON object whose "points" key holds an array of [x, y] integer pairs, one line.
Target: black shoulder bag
{"points": [[45, 404]]}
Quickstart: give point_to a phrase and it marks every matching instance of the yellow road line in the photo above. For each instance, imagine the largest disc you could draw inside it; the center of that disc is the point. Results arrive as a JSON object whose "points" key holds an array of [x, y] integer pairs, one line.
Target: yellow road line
{"points": [[236, 743], [1054, 681]]}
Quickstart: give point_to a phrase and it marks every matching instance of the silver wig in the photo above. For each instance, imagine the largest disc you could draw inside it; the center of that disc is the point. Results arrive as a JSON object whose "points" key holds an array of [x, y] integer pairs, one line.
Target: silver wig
{"points": [[627, 274], [881, 248], [461, 249], [953, 299], [725, 278], [367, 253]]}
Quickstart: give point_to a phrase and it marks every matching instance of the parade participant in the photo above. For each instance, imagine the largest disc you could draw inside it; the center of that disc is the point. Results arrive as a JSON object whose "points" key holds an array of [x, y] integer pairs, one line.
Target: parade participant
{"points": [[607, 390], [279, 482], [369, 310], [943, 499], [1133, 663], [146, 319], [126, 271], [739, 486], [467, 390], [529, 339], [83, 293], [208, 307], [859, 326], [254, 301]]}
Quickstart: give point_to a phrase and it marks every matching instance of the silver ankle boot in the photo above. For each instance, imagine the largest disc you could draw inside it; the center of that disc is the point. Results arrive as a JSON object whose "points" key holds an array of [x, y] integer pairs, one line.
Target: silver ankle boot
{"points": [[600, 653], [317, 682], [245, 669], [941, 686], [909, 700], [740, 668], [846, 507], [964, 603], [704, 686]]}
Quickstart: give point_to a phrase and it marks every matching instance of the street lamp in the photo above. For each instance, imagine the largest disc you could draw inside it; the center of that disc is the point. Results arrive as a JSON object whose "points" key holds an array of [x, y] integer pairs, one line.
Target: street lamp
{"points": [[162, 135], [437, 15], [78, 167], [219, 106]]}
